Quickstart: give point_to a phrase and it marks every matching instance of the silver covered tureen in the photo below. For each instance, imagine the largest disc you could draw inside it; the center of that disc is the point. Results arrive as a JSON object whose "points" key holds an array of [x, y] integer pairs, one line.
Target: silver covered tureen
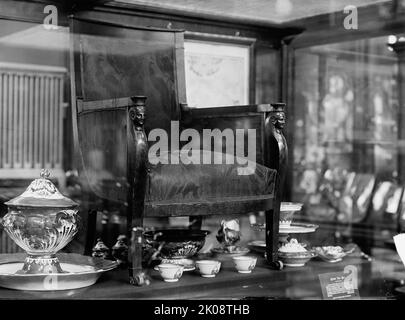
{"points": [[41, 221]]}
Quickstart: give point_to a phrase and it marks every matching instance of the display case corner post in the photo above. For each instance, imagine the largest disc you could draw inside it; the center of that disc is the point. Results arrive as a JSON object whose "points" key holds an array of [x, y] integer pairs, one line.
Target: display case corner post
{"points": [[137, 171]]}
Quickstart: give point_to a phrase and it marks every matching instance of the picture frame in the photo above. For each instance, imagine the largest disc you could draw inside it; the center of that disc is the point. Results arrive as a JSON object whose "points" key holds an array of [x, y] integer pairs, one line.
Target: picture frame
{"points": [[218, 70]]}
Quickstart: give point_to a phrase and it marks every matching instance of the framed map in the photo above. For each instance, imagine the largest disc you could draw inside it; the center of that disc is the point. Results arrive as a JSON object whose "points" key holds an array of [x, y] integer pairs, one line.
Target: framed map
{"points": [[217, 74]]}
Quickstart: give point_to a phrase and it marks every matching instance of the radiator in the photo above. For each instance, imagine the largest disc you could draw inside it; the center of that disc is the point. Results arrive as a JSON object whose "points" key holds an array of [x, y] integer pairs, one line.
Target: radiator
{"points": [[31, 119]]}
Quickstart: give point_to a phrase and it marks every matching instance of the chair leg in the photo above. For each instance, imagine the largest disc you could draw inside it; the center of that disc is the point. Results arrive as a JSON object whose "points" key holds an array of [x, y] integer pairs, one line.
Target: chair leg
{"points": [[91, 232], [272, 237], [136, 275]]}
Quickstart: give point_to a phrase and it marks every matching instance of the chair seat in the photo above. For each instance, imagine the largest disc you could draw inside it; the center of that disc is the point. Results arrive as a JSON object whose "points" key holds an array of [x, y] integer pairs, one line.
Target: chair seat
{"points": [[210, 187]]}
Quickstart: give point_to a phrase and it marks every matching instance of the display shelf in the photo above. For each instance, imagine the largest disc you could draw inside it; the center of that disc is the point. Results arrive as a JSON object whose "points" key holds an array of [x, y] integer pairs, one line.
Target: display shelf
{"points": [[294, 283]]}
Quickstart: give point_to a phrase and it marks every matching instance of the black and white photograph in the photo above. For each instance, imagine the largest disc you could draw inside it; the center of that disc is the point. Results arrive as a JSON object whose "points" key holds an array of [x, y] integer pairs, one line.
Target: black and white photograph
{"points": [[204, 157]]}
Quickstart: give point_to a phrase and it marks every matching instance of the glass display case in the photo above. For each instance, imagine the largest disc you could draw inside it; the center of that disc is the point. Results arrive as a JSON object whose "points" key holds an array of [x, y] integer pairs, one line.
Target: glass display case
{"points": [[221, 151]]}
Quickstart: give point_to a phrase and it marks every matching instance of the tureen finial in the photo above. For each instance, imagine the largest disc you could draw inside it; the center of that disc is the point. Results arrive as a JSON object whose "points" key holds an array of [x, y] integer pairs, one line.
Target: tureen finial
{"points": [[45, 173]]}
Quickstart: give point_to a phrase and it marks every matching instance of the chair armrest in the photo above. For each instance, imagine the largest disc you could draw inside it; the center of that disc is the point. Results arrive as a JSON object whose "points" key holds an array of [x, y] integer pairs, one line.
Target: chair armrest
{"points": [[258, 117]]}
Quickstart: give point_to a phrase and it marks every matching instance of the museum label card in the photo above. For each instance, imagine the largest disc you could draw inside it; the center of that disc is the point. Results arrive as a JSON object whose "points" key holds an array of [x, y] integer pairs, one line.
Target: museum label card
{"points": [[340, 285]]}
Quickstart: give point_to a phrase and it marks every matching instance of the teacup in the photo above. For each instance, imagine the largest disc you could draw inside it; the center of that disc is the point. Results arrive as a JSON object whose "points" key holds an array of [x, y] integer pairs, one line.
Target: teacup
{"points": [[244, 264], [170, 272], [208, 268]]}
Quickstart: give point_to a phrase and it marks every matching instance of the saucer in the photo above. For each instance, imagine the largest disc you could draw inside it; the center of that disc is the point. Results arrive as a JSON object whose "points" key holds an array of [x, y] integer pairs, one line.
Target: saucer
{"points": [[188, 264], [222, 254], [257, 246]]}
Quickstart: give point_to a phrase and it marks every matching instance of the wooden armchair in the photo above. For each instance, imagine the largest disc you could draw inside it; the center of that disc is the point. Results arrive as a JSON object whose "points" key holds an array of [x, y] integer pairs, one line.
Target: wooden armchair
{"points": [[111, 135]]}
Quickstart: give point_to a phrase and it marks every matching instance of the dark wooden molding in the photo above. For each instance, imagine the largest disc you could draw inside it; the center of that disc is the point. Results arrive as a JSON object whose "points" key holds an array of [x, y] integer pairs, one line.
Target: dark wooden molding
{"points": [[399, 49], [181, 15], [287, 95], [138, 18], [102, 105], [119, 24], [373, 21], [219, 38], [230, 111]]}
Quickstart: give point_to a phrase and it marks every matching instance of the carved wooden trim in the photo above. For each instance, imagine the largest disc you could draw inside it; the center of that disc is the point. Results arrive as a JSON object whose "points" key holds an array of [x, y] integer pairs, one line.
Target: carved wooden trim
{"points": [[137, 172], [275, 157]]}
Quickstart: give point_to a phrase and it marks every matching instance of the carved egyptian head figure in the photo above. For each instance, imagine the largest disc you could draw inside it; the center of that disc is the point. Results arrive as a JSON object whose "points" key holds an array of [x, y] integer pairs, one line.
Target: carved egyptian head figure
{"points": [[138, 116], [277, 116]]}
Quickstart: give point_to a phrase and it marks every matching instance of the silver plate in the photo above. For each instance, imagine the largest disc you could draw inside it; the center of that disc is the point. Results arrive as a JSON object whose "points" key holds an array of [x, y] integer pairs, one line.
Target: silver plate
{"points": [[81, 271]]}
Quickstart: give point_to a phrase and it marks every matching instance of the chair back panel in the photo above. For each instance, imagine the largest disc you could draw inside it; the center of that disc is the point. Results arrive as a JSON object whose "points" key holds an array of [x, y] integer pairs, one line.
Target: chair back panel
{"points": [[114, 61]]}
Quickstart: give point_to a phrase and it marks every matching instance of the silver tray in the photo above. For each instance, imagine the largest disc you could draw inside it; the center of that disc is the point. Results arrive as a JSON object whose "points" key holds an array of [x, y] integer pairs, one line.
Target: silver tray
{"points": [[81, 271]]}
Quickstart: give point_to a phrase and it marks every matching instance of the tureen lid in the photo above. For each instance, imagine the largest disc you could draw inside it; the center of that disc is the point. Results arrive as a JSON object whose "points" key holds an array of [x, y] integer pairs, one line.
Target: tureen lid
{"points": [[42, 193]]}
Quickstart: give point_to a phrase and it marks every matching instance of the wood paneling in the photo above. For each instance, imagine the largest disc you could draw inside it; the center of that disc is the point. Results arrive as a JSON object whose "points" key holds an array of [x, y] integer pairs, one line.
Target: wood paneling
{"points": [[373, 21]]}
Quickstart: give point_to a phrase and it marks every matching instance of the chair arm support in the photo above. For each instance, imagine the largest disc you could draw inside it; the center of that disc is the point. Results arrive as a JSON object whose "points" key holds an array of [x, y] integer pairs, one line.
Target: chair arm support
{"points": [[137, 171]]}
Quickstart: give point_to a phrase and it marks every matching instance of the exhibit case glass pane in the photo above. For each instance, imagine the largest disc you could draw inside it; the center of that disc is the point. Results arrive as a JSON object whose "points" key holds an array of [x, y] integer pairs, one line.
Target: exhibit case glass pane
{"points": [[346, 133]]}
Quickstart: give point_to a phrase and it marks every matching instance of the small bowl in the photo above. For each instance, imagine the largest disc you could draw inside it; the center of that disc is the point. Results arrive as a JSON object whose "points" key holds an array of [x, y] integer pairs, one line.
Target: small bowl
{"points": [[208, 268], [170, 272], [326, 254], [244, 264], [287, 210], [296, 259]]}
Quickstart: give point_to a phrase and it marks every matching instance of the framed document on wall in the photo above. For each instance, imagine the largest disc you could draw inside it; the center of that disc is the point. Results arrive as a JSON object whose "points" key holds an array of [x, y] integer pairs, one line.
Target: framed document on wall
{"points": [[218, 73]]}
